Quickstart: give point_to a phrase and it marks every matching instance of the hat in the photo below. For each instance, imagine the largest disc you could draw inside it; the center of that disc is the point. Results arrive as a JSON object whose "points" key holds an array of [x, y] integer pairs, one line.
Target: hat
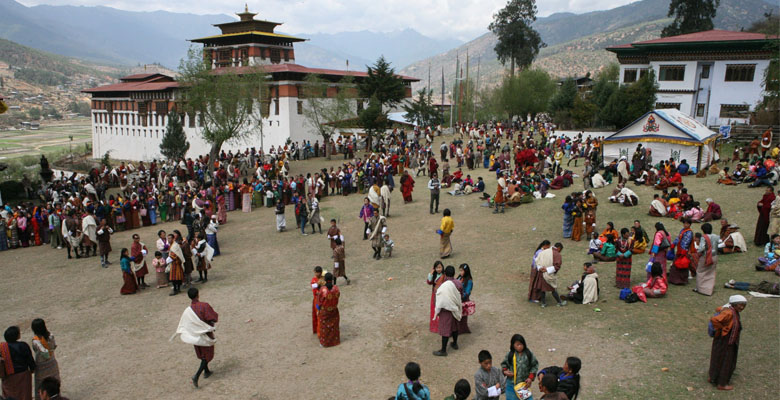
{"points": [[709, 200], [737, 298]]}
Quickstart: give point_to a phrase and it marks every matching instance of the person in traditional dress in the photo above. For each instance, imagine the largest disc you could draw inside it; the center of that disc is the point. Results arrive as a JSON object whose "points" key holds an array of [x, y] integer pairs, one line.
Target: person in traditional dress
{"points": [[586, 290], [407, 186], [246, 197], [281, 221], [221, 209], [660, 244], [655, 286], [339, 267], [445, 231], [50, 390], [71, 232], [366, 212], [89, 230], [714, 212], [534, 294], [328, 313], [706, 260], [377, 226], [412, 389], [175, 264], [333, 233], [623, 247], [103, 235], [466, 279], [43, 346], [568, 219], [519, 366], [203, 254], [727, 327], [211, 234], [548, 263], [138, 251], [501, 193], [435, 279], [204, 350], [448, 309], [678, 275], [18, 363], [577, 215], [316, 282], [385, 192], [314, 212], [130, 285], [764, 207]]}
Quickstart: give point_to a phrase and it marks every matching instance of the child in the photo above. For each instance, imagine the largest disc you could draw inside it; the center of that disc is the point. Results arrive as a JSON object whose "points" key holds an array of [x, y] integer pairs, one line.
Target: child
{"points": [[519, 366], [388, 245], [549, 386], [568, 376], [461, 392], [412, 389], [316, 282], [159, 265], [594, 246], [489, 382]]}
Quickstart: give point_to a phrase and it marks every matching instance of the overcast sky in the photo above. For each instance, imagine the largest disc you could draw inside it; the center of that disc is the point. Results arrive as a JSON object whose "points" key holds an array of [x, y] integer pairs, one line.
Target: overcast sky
{"points": [[463, 19]]}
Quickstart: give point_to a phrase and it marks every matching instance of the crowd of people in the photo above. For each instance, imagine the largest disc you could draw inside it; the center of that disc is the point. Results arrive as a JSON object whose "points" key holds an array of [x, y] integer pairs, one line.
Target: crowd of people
{"points": [[81, 212]]}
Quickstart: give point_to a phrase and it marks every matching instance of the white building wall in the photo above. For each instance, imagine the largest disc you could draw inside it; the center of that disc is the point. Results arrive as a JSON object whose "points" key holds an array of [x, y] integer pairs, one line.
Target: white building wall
{"points": [[127, 141], [734, 92]]}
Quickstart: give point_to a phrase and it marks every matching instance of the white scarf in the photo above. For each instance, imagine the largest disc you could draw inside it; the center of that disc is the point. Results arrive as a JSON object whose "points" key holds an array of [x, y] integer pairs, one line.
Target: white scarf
{"points": [[193, 330], [448, 298]]}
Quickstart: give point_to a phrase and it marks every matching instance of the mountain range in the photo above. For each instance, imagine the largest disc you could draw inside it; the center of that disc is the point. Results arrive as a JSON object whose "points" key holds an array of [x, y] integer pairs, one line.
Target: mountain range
{"points": [[576, 42], [107, 35]]}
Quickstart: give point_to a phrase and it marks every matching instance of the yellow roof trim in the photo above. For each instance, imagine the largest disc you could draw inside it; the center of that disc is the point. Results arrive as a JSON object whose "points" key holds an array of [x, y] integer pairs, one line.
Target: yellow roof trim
{"points": [[249, 33]]}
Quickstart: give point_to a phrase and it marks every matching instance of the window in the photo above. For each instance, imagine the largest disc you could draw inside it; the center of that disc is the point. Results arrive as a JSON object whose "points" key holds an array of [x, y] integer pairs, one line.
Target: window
{"points": [[287, 55], [740, 72], [300, 107], [700, 110], [734, 110], [667, 105], [629, 75], [671, 73], [161, 107], [276, 56], [705, 72]]}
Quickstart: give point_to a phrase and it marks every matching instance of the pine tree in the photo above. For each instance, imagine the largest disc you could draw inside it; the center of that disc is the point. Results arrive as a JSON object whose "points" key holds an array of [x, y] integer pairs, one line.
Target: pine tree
{"points": [[518, 42], [174, 143], [690, 16]]}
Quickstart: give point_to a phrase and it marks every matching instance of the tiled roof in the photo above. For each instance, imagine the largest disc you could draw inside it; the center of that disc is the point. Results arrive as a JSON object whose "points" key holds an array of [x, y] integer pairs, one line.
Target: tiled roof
{"points": [[715, 35], [296, 68], [138, 83]]}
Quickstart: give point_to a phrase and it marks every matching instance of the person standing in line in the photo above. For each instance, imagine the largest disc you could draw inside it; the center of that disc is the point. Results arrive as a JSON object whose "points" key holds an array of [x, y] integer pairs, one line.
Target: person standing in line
{"points": [[18, 365], [138, 251], [727, 326], [445, 231], [385, 193], [55, 228], [314, 212], [302, 210], [43, 346], [435, 187], [130, 286], [175, 261]]}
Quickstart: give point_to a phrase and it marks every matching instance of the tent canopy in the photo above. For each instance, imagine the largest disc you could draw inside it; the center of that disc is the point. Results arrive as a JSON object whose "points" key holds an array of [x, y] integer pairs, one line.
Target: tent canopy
{"points": [[668, 133]]}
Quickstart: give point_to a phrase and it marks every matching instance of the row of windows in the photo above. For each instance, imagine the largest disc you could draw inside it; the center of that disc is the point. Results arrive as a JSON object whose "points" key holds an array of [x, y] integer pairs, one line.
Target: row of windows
{"points": [[130, 119], [726, 110], [734, 73], [152, 134]]}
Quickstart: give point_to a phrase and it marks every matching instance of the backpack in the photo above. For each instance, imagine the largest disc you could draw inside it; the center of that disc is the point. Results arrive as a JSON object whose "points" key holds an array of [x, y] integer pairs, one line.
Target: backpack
{"points": [[710, 327], [632, 298], [624, 293]]}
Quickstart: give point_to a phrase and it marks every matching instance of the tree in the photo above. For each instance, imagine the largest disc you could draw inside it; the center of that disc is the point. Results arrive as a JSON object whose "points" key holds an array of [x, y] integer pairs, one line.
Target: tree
{"points": [[770, 25], [422, 111], [583, 112], [528, 92], [518, 43], [223, 100], [564, 97], [79, 107], [384, 89], [323, 113], [174, 143], [630, 102], [34, 113], [690, 16]]}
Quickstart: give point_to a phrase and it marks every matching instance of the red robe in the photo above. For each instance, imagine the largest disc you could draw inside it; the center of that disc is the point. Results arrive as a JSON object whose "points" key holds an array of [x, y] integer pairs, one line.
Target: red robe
{"points": [[407, 187], [314, 324], [328, 316], [138, 258]]}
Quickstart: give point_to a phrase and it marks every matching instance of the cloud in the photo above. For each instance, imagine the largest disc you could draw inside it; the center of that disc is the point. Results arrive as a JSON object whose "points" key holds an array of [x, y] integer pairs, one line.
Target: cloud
{"points": [[462, 19]]}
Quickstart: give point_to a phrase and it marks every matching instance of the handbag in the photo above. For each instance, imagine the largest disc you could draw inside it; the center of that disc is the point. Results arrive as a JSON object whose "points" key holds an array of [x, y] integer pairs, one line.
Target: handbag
{"points": [[168, 269], [142, 212], [664, 244], [469, 308], [670, 254], [682, 263]]}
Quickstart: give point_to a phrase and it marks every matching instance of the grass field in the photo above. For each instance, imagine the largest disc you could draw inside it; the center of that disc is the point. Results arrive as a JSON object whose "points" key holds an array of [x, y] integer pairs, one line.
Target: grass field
{"points": [[111, 343], [50, 138]]}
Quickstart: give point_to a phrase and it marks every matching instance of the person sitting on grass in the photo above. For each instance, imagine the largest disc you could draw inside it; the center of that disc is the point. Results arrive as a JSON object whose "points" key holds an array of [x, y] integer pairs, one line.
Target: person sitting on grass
{"points": [[549, 386], [568, 376], [655, 287], [608, 252]]}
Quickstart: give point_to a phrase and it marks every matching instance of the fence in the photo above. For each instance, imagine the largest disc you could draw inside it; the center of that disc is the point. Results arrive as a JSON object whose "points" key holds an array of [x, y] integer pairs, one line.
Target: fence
{"points": [[744, 134]]}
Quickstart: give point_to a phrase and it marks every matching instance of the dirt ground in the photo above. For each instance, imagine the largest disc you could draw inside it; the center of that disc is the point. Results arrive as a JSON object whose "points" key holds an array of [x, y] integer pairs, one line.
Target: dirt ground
{"points": [[113, 346]]}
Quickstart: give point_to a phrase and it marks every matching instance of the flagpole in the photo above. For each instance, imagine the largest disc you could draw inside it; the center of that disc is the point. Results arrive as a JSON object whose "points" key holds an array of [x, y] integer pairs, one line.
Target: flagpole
{"points": [[441, 108], [476, 92]]}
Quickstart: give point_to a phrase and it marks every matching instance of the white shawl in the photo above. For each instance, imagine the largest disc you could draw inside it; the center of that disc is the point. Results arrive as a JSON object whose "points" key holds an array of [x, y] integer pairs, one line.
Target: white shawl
{"points": [[738, 240], [373, 196], [590, 289], [89, 228], [192, 330], [659, 206], [598, 181], [448, 298]]}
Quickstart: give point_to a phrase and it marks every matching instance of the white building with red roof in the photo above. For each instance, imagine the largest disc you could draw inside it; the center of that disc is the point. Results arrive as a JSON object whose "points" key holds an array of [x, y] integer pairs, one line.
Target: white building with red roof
{"points": [[714, 76], [129, 118]]}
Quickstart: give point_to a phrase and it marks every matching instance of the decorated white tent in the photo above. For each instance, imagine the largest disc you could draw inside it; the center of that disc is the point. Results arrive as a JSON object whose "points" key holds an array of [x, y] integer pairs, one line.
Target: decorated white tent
{"points": [[668, 133]]}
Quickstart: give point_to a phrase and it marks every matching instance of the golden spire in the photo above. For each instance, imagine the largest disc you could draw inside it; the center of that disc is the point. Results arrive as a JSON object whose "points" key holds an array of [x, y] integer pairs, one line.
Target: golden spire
{"points": [[246, 8]]}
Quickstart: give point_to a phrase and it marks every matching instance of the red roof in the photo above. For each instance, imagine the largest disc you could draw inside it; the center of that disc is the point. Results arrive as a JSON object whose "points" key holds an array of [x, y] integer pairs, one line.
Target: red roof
{"points": [[272, 68], [715, 35], [138, 83]]}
